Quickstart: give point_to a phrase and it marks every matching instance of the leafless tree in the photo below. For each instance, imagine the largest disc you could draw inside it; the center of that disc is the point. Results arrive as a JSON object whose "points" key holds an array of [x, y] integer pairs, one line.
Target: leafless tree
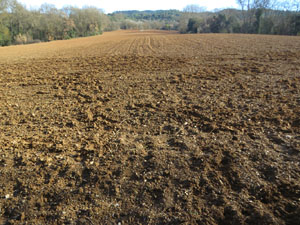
{"points": [[194, 9]]}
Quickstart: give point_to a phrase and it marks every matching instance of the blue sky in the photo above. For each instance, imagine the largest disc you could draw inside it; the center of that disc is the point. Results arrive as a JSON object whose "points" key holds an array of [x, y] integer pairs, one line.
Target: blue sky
{"points": [[118, 5]]}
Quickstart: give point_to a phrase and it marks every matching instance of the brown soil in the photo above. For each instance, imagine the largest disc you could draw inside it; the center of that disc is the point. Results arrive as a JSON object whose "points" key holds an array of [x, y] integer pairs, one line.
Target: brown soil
{"points": [[151, 128]]}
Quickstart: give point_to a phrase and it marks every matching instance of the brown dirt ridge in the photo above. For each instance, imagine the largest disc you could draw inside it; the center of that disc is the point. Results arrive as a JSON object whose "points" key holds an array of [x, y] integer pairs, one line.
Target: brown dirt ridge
{"points": [[151, 127]]}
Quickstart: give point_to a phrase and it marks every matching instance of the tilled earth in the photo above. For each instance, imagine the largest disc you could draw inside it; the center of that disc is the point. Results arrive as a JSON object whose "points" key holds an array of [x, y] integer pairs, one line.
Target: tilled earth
{"points": [[151, 128]]}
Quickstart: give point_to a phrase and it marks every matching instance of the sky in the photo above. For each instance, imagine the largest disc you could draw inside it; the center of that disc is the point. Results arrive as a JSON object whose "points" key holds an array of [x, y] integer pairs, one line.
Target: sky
{"points": [[119, 5]]}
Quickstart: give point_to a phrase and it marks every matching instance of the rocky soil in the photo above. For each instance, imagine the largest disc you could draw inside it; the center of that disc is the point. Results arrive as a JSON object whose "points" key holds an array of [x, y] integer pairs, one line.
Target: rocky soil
{"points": [[151, 128]]}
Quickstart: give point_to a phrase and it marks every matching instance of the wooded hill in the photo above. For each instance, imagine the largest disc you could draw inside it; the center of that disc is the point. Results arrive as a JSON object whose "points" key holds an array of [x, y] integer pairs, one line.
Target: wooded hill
{"points": [[254, 21], [166, 15]]}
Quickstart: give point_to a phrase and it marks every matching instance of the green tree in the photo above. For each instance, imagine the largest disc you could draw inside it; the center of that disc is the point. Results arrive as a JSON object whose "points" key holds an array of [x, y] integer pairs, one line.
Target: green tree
{"points": [[219, 24], [193, 25], [5, 38], [19, 23], [51, 25], [258, 15], [266, 26], [88, 21]]}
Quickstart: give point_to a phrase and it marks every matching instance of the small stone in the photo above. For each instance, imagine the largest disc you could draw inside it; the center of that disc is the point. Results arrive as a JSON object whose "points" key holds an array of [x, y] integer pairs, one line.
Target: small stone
{"points": [[90, 115], [80, 190]]}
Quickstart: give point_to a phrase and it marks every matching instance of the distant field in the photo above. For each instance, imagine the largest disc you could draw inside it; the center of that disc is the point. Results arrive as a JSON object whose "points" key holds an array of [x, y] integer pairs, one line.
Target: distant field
{"points": [[151, 127]]}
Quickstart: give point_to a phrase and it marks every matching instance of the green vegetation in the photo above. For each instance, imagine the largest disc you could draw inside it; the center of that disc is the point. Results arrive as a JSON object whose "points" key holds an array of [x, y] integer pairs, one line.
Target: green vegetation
{"points": [[19, 25]]}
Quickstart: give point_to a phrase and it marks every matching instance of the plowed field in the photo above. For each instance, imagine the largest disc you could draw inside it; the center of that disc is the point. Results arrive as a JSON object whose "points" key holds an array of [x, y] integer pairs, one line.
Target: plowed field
{"points": [[151, 127]]}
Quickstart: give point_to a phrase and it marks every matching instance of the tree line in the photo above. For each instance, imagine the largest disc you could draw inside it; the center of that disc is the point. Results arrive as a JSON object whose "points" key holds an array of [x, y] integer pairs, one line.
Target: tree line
{"points": [[18, 25], [255, 17]]}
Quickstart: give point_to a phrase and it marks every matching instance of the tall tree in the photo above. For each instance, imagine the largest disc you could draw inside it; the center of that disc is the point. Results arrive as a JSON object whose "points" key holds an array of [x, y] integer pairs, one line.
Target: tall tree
{"points": [[51, 23], [250, 15]]}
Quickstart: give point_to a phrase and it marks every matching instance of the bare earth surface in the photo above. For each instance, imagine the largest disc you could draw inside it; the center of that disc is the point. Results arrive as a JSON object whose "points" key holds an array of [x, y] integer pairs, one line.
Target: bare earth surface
{"points": [[151, 128]]}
